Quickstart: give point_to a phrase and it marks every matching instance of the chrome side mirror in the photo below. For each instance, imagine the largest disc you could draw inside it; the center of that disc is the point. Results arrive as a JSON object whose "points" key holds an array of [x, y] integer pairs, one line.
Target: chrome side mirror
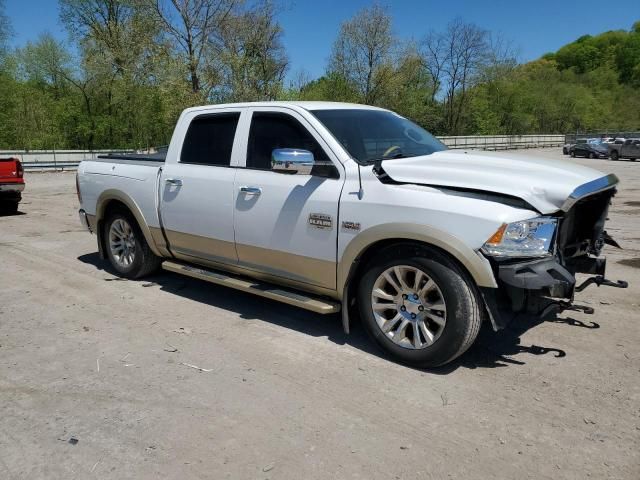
{"points": [[292, 160]]}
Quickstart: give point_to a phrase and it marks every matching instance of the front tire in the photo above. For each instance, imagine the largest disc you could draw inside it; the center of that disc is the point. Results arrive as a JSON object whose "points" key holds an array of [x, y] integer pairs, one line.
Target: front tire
{"points": [[573, 154], [127, 249], [592, 155], [614, 155], [419, 306]]}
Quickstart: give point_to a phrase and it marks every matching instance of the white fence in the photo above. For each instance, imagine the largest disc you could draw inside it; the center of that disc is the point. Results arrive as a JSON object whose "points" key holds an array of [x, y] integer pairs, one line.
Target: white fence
{"points": [[69, 159]]}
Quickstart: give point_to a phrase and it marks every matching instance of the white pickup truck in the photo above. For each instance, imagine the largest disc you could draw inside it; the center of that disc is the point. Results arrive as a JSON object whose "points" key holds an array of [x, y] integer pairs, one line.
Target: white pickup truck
{"points": [[340, 207]]}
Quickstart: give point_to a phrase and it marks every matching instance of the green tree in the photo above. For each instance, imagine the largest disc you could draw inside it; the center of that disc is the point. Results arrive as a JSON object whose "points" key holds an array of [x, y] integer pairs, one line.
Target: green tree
{"points": [[5, 30], [191, 25], [363, 52], [252, 58]]}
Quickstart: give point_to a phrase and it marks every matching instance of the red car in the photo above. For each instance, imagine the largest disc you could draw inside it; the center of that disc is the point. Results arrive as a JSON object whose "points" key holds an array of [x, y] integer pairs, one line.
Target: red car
{"points": [[11, 184]]}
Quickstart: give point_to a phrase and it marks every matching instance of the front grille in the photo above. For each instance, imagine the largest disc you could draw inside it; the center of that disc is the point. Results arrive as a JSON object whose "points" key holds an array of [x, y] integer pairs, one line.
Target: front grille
{"points": [[580, 230]]}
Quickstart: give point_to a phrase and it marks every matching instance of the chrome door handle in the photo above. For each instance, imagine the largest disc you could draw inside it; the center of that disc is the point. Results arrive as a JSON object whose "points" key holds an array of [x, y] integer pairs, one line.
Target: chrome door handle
{"points": [[174, 181], [251, 190]]}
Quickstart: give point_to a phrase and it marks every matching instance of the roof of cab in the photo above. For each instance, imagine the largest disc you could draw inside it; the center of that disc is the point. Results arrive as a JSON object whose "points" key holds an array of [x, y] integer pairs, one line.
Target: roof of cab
{"points": [[307, 105]]}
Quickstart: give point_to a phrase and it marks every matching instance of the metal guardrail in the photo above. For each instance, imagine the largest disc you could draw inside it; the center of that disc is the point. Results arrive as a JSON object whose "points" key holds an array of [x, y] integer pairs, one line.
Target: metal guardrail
{"points": [[503, 142], [55, 166], [55, 159], [572, 137], [60, 160]]}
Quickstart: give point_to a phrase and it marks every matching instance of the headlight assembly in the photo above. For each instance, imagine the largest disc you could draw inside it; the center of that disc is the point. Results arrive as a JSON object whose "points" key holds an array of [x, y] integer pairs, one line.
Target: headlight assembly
{"points": [[526, 238]]}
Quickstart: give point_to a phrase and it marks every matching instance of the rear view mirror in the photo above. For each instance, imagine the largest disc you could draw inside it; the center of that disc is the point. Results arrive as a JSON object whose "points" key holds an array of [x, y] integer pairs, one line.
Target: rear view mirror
{"points": [[292, 161]]}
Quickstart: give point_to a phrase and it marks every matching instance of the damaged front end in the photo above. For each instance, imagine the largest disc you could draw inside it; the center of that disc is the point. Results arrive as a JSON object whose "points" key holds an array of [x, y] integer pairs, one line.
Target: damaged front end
{"points": [[545, 281]]}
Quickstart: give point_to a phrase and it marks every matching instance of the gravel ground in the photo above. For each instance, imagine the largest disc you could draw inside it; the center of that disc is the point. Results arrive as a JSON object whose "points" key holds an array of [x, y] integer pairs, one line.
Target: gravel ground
{"points": [[96, 377]]}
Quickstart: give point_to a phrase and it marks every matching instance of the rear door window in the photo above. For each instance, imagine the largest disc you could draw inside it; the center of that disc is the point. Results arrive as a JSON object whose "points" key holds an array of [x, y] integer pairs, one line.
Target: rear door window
{"points": [[209, 139]]}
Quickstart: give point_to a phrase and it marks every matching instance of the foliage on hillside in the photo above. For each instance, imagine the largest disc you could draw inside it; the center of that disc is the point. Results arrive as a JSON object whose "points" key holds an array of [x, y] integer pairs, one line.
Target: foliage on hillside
{"points": [[133, 65], [464, 81]]}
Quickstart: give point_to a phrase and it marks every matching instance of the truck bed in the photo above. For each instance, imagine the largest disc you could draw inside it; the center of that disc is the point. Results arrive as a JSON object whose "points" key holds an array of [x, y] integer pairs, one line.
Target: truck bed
{"points": [[135, 177]]}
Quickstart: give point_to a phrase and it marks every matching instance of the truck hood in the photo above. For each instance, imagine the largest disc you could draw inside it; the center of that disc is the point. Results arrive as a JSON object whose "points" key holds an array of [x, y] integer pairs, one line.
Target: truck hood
{"points": [[545, 184]]}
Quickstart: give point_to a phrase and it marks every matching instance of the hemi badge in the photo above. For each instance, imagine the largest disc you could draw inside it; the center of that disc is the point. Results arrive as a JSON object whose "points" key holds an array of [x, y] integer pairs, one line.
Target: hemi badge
{"points": [[351, 226], [320, 220]]}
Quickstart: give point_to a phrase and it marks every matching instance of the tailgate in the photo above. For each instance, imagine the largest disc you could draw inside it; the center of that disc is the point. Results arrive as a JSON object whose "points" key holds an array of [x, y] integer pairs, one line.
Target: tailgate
{"points": [[8, 171]]}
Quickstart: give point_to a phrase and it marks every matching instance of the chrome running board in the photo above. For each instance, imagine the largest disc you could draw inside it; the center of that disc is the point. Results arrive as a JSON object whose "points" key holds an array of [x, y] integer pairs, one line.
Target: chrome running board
{"points": [[273, 292]]}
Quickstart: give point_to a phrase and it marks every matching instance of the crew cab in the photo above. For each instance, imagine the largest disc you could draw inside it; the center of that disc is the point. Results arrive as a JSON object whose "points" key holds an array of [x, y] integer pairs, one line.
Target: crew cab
{"points": [[630, 149], [11, 184], [342, 207]]}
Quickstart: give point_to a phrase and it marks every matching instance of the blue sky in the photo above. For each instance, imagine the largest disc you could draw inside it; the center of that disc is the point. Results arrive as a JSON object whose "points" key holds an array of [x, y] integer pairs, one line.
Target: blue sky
{"points": [[534, 27]]}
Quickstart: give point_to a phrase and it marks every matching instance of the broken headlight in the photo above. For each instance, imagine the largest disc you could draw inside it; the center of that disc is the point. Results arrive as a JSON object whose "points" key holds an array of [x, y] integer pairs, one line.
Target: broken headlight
{"points": [[526, 238]]}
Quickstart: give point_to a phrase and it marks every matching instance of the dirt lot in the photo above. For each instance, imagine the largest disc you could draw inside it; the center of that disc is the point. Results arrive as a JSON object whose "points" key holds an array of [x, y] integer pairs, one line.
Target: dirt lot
{"points": [[87, 357]]}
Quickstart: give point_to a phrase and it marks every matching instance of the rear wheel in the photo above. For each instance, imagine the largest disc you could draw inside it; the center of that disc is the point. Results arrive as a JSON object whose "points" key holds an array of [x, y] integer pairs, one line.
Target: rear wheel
{"points": [[9, 207], [419, 306], [127, 249], [592, 155], [573, 154], [614, 155]]}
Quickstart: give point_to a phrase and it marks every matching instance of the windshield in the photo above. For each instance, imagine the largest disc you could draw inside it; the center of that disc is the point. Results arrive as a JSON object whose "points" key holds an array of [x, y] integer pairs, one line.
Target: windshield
{"points": [[370, 135]]}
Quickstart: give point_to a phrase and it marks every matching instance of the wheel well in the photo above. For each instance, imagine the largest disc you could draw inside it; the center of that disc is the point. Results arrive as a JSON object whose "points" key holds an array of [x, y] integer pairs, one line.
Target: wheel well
{"points": [[111, 206], [375, 248]]}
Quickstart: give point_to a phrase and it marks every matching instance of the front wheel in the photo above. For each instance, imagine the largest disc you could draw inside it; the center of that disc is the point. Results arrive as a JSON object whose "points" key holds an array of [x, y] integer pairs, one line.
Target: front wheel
{"points": [[419, 306], [592, 155], [573, 154], [614, 155], [127, 249]]}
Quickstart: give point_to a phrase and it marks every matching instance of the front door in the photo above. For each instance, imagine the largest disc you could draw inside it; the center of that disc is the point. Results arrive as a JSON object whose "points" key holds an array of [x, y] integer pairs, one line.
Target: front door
{"points": [[286, 224], [197, 191]]}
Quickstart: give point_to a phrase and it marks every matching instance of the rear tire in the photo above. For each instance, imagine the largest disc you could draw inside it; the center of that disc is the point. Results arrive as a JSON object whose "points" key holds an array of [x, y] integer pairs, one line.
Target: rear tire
{"points": [[573, 154], [446, 317], [9, 208], [592, 155], [126, 247]]}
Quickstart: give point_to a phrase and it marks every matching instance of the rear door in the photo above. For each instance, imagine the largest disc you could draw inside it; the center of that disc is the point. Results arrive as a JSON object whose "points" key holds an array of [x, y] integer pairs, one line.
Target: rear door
{"points": [[197, 190], [286, 224]]}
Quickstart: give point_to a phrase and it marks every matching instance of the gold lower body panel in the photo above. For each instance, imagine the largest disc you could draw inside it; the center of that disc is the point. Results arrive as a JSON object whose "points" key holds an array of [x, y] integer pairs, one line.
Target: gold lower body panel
{"points": [[282, 268]]}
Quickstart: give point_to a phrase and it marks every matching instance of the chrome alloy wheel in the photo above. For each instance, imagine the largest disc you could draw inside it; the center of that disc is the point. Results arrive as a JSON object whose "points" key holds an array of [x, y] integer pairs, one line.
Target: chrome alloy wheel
{"points": [[408, 307], [122, 242]]}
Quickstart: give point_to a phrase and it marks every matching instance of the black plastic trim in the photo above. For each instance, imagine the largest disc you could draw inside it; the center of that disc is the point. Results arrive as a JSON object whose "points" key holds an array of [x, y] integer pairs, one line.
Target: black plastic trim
{"points": [[538, 275]]}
